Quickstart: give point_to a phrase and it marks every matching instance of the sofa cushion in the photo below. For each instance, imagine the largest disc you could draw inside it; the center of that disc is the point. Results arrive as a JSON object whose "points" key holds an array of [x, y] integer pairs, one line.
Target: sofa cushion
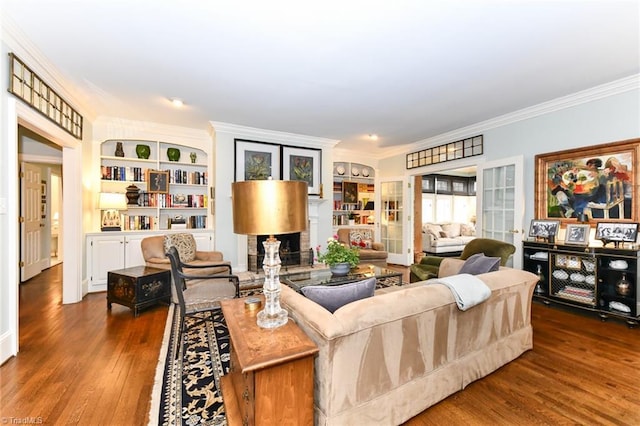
{"points": [[333, 297], [184, 243], [480, 264], [433, 230]]}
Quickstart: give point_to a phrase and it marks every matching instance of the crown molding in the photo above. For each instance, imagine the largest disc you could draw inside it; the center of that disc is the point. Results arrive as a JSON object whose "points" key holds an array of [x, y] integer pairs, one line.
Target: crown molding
{"points": [[602, 91], [20, 44], [120, 128], [271, 135]]}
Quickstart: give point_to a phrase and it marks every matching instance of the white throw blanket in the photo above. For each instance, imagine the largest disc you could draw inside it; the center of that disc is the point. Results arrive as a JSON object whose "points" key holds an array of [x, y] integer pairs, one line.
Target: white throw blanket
{"points": [[467, 289]]}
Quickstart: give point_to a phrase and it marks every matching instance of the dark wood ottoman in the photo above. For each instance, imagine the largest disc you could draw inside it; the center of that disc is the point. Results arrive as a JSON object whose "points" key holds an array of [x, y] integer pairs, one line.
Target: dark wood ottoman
{"points": [[138, 287]]}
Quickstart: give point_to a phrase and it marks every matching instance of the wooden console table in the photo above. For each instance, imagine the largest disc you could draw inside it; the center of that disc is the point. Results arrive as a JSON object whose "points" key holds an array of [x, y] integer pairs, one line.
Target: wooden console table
{"points": [[271, 378]]}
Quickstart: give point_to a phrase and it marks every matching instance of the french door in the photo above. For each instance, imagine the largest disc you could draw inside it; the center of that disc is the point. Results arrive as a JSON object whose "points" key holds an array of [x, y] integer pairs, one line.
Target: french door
{"points": [[500, 202], [394, 220]]}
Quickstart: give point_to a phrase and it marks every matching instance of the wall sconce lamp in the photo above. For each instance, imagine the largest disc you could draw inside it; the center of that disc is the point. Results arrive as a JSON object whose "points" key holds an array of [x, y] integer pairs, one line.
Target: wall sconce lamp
{"points": [[110, 203], [270, 207]]}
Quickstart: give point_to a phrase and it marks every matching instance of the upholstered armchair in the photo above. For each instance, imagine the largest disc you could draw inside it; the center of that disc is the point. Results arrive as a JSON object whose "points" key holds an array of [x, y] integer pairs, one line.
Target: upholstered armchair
{"points": [[429, 265], [362, 239], [154, 251]]}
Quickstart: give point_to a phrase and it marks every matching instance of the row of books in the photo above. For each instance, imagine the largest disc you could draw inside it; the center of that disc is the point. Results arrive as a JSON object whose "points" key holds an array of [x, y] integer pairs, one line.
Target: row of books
{"points": [[146, 199], [143, 223], [189, 178], [121, 173], [136, 223], [138, 174]]}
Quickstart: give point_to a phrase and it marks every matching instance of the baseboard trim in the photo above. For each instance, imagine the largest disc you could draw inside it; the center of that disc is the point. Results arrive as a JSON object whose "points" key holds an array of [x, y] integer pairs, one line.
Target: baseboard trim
{"points": [[6, 347]]}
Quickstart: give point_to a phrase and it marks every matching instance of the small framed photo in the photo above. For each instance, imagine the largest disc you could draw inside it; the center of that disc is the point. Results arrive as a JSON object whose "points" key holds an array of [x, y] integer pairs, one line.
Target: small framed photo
{"points": [[350, 192], [542, 228], [577, 234], [158, 181], [617, 232], [256, 160], [303, 164]]}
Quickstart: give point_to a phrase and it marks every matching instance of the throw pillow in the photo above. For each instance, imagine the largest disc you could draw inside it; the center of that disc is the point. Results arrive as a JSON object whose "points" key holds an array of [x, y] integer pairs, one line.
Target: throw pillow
{"points": [[467, 230], [444, 234], [480, 264], [453, 229], [357, 235], [332, 297], [434, 230], [184, 243]]}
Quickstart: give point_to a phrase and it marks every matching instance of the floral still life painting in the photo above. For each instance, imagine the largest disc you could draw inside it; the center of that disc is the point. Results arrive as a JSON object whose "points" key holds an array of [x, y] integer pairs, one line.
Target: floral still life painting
{"points": [[257, 165], [301, 168]]}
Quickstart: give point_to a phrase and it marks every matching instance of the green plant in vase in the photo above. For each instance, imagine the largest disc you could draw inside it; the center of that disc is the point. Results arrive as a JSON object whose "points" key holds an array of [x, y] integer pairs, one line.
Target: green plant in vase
{"points": [[338, 253]]}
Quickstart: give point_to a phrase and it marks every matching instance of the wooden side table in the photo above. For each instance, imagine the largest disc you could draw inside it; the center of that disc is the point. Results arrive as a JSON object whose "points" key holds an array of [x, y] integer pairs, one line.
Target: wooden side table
{"points": [[138, 287], [271, 378]]}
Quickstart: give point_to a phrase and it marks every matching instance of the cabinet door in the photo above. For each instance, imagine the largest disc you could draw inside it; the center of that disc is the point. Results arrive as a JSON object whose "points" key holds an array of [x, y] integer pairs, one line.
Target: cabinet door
{"points": [[107, 254], [133, 250], [204, 241]]}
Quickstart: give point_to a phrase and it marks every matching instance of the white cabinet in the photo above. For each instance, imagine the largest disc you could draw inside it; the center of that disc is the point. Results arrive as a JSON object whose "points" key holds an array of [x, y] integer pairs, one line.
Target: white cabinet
{"points": [[108, 251]]}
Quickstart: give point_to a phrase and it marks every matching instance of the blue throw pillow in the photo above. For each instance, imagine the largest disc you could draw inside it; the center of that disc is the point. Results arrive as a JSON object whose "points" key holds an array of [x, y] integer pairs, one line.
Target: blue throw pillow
{"points": [[332, 297], [479, 264]]}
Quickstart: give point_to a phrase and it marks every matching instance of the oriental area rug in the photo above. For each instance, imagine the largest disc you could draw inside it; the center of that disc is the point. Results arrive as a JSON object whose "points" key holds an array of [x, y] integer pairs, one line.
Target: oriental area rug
{"points": [[187, 386]]}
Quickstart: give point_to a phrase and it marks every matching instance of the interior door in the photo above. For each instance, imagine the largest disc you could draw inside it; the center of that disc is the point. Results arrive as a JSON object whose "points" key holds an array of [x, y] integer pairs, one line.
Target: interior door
{"points": [[500, 201], [394, 220], [31, 221]]}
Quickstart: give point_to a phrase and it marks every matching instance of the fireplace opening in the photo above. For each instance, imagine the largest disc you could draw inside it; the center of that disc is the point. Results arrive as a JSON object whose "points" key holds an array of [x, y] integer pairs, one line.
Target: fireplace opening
{"points": [[295, 250], [289, 248]]}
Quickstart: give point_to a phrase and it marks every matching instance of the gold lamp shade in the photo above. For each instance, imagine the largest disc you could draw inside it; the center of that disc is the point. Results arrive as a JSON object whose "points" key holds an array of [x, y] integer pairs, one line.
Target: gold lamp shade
{"points": [[269, 207]]}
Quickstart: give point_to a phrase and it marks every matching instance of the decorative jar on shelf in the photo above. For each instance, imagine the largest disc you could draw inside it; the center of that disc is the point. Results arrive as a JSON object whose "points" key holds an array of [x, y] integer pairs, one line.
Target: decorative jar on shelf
{"points": [[132, 194], [173, 154], [119, 151], [623, 286], [194, 157], [143, 151]]}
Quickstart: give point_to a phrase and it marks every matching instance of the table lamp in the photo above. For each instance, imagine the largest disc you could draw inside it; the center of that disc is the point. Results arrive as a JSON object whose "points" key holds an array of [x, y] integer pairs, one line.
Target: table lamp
{"points": [[110, 203], [270, 207]]}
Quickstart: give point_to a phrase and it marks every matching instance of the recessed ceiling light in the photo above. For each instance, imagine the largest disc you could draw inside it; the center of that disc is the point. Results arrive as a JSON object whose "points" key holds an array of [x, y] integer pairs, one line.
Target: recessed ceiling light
{"points": [[177, 102], [373, 136]]}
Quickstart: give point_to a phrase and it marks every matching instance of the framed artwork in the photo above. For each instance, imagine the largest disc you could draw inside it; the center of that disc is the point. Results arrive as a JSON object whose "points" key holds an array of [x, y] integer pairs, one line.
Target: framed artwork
{"points": [[350, 192], [543, 228], [256, 160], [596, 182], [577, 234], [303, 164], [617, 232], [158, 181]]}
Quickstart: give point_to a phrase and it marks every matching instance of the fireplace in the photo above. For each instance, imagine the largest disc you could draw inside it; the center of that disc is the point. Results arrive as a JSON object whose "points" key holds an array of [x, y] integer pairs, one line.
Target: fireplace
{"points": [[295, 250]]}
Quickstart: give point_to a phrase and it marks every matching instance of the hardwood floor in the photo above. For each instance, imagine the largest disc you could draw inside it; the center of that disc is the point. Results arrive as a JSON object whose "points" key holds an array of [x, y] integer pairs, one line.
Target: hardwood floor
{"points": [[81, 365]]}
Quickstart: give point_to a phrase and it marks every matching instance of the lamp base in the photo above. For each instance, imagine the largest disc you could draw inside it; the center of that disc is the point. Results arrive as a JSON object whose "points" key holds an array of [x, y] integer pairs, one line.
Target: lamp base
{"points": [[266, 320], [273, 315]]}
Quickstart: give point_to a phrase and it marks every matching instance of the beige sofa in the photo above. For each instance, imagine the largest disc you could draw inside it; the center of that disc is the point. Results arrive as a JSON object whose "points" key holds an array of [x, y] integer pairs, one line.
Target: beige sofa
{"points": [[376, 254], [385, 359], [439, 238]]}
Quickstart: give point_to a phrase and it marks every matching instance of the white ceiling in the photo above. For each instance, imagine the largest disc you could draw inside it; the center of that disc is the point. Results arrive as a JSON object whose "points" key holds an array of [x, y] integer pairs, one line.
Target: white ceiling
{"points": [[405, 70]]}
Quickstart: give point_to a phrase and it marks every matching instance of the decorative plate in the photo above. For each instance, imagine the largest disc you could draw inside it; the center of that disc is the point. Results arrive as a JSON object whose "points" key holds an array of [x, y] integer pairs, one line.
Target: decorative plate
{"points": [[576, 277], [590, 279], [618, 264], [340, 170], [619, 306], [365, 172], [355, 171], [560, 274]]}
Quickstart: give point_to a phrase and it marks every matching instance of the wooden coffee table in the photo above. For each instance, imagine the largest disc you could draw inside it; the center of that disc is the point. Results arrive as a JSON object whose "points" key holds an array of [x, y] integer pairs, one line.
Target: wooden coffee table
{"points": [[384, 277]]}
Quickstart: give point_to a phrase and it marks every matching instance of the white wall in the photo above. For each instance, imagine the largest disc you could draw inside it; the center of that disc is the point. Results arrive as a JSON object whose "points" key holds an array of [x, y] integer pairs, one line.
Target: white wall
{"points": [[602, 120]]}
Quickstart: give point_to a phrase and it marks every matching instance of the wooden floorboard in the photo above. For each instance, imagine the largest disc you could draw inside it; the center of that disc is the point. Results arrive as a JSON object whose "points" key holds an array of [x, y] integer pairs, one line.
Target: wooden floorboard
{"points": [[82, 365]]}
